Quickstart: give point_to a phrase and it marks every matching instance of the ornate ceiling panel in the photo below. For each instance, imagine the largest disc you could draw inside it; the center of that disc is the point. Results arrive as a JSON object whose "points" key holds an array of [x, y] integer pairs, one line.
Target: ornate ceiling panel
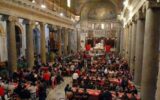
{"points": [[92, 9]]}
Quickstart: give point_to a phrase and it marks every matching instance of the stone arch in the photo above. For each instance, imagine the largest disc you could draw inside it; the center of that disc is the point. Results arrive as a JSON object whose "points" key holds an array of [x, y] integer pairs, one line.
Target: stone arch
{"points": [[36, 40], [19, 38], [20, 26]]}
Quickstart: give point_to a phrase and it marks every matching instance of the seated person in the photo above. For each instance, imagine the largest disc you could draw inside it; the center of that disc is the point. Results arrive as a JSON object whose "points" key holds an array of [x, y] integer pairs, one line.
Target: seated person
{"points": [[75, 77], [106, 95], [67, 89], [119, 88], [82, 85], [124, 96], [134, 90], [124, 83], [77, 95], [85, 95], [91, 85], [116, 97], [133, 97]]}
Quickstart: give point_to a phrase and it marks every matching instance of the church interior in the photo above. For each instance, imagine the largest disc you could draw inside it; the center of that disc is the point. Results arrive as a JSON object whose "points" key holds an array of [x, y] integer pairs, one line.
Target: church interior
{"points": [[79, 49]]}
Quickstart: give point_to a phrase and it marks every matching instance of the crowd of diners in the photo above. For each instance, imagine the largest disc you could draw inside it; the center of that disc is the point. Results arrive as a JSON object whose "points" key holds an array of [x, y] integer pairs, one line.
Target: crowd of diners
{"points": [[32, 84], [104, 77]]}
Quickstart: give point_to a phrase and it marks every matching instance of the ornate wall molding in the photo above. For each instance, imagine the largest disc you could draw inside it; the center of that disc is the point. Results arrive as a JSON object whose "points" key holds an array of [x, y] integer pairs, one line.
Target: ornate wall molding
{"points": [[27, 10]]}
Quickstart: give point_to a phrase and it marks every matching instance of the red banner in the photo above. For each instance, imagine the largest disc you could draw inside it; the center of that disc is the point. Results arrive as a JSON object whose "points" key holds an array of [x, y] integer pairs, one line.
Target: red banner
{"points": [[108, 48], [88, 47]]}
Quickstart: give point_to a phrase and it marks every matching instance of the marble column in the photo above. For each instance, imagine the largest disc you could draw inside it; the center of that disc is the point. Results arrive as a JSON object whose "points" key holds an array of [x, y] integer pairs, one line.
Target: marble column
{"points": [[121, 42], [118, 40], [59, 41], [43, 43], [125, 42], [29, 44], [139, 50], [129, 42], [150, 55], [11, 39], [65, 41], [78, 40], [69, 41], [133, 44]]}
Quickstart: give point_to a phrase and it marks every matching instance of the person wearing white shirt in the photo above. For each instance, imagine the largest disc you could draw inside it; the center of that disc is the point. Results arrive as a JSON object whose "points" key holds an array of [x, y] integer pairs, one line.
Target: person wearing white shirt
{"points": [[32, 90], [105, 71], [72, 67], [75, 76]]}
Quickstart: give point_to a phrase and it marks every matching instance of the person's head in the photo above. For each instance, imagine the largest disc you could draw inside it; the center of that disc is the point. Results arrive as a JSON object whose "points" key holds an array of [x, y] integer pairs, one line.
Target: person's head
{"points": [[67, 85], [117, 94], [125, 93], [77, 90], [85, 90], [132, 94]]}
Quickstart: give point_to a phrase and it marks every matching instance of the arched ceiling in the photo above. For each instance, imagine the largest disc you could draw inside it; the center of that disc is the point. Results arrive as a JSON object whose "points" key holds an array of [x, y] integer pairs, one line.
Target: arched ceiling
{"points": [[104, 10], [93, 9]]}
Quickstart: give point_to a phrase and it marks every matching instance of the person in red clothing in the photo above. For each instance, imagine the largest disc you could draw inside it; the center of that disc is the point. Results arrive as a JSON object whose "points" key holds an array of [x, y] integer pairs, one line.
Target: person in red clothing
{"points": [[46, 77], [2, 92]]}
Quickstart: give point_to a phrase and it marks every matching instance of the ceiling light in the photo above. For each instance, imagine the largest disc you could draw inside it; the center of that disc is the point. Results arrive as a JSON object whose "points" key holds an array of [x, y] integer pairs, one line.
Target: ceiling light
{"points": [[43, 6], [36, 23], [102, 26], [69, 3], [73, 19], [92, 26], [125, 3], [130, 8], [33, 1], [61, 14]]}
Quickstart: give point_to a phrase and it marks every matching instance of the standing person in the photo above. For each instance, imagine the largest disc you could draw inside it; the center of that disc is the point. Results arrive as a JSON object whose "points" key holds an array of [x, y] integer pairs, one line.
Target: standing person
{"points": [[42, 92], [75, 77], [47, 77], [32, 90], [133, 97], [106, 95], [53, 79], [124, 96], [67, 88], [2, 92], [85, 94]]}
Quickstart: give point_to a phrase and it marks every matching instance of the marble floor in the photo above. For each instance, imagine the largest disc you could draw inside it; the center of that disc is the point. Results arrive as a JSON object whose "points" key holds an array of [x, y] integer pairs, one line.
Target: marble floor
{"points": [[58, 92]]}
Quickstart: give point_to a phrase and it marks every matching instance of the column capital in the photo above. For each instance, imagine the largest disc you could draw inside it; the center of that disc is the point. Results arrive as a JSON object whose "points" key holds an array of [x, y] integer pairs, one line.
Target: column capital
{"points": [[58, 27], [134, 20], [12, 19], [42, 23], [140, 15], [64, 28], [9, 18], [152, 4], [27, 21], [129, 23]]}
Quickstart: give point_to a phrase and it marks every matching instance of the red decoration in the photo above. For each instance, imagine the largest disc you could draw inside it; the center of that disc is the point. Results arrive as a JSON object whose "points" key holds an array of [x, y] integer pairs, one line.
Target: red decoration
{"points": [[108, 48], [88, 47]]}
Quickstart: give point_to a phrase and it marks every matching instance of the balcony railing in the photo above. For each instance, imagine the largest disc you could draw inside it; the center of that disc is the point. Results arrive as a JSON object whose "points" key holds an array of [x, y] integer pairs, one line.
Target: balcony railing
{"points": [[33, 6]]}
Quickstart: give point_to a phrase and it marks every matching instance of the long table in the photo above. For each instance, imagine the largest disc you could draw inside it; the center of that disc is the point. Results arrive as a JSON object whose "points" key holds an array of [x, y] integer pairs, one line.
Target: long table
{"points": [[94, 94]]}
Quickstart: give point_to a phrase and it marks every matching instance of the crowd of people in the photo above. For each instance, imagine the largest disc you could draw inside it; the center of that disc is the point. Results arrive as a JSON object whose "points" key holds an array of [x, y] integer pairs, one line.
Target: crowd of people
{"points": [[96, 77], [31, 84], [104, 77]]}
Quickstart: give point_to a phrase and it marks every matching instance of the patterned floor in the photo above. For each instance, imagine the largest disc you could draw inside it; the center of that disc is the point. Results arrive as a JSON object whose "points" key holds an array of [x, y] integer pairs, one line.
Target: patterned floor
{"points": [[58, 92]]}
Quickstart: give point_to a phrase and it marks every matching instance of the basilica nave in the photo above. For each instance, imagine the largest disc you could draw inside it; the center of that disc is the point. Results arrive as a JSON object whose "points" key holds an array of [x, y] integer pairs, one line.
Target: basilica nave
{"points": [[79, 49]]}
